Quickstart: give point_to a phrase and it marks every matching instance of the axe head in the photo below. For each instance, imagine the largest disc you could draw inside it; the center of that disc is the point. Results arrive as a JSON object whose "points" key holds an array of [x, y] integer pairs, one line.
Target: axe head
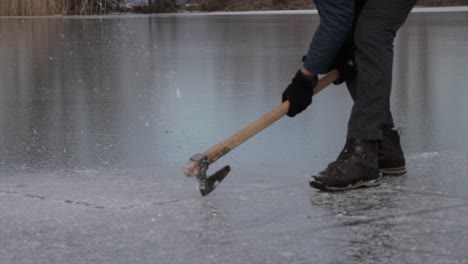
{"points": [[197, 166]]}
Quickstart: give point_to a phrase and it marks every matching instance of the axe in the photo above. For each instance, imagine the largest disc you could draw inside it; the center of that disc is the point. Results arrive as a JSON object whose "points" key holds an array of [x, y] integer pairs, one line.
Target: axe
{"points": [[199, 163]]}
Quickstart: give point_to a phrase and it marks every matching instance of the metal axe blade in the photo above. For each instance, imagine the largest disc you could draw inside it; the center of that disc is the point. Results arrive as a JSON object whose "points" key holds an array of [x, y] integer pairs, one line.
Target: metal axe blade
{"points": [[208, 184], [198, 167]]}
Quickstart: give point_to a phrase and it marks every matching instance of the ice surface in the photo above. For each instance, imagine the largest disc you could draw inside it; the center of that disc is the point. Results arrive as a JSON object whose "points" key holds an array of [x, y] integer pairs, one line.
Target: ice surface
{"points": [[92, 153]]}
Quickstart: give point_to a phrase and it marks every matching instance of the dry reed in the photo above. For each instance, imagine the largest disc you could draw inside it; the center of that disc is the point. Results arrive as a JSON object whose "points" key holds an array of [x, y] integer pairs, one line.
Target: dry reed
{"points": [[85, 7], [56, 7]]}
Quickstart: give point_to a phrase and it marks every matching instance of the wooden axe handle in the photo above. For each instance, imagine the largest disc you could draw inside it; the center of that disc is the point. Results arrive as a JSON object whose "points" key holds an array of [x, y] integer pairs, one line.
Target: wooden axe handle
{"points": [[223, 147]]}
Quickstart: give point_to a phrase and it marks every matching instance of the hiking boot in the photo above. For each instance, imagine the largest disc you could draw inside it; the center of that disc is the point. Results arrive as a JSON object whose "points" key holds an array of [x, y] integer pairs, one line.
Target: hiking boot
{"points": [[390, 155], [355, 167]]}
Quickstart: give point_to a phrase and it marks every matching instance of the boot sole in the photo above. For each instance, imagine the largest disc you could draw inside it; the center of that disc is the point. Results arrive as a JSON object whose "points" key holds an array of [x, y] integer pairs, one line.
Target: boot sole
{"points": [[394, 171], [361, 184]]}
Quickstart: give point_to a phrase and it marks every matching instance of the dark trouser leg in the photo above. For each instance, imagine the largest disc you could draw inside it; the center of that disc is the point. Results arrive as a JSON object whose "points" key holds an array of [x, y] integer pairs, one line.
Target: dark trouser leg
{"points": [[375, 31], [351, 85]]}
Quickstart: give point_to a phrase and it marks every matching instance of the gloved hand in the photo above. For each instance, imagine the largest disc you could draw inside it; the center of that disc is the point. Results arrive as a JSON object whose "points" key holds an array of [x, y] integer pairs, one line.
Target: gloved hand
{"points": [[299, 93], [346, 70], [342, 63]]}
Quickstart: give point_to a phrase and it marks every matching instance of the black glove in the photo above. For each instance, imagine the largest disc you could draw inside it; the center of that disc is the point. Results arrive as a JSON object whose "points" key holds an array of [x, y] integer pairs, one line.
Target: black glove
{"points": [[299, 93], [346, 73], [346, 70]]}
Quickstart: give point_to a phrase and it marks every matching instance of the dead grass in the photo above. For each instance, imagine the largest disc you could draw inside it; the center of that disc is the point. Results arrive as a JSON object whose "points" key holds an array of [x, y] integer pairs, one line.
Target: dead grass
{"points": [[84, 7], [56, 7]]}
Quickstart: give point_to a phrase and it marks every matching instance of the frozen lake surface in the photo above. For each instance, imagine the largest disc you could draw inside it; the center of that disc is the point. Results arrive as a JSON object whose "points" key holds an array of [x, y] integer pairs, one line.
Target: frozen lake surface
{"points": [[98, 116]]}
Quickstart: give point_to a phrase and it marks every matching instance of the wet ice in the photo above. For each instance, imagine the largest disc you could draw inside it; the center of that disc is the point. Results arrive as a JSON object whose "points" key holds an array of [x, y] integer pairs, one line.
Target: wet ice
{"points": [[92, 152]]}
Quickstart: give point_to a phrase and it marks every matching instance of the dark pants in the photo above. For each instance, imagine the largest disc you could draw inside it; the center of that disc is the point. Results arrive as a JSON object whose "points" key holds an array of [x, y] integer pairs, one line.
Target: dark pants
{"points": [[376, 24]]}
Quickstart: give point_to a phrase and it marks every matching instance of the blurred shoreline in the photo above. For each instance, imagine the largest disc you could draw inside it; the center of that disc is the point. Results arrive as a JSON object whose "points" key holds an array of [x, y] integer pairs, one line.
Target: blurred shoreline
{"points": [[25, 8], [217, 13]]}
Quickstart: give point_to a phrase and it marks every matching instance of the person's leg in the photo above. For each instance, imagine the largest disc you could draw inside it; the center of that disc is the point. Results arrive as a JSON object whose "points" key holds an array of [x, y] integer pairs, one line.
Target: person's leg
{"points": [[375, 31], [358, 163], [351, 84]]}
